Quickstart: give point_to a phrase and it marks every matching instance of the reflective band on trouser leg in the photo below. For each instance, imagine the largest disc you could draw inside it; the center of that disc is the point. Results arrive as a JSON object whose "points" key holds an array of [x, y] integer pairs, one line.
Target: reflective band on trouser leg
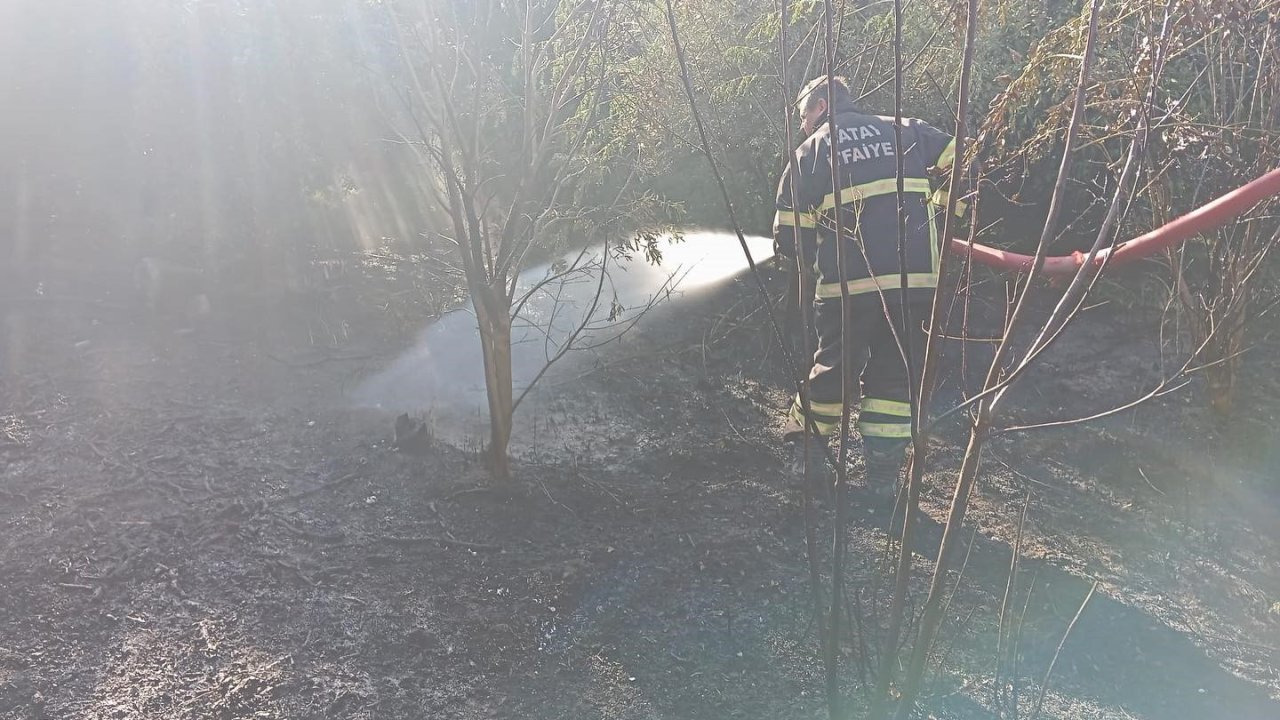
{"points": [[882, 418], [826, 416], [885, 430], [896, 408]]}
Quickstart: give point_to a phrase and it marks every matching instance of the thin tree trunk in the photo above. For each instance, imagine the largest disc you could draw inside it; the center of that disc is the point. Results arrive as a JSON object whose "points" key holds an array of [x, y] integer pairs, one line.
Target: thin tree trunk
{"points": [[800, 292], [931, 615], [494, 318], [835, 703], [922, 400]]}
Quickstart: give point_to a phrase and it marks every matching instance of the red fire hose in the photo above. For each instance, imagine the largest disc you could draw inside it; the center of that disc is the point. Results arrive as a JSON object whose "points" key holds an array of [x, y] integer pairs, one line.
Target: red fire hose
{"points": [[1207, 217]]}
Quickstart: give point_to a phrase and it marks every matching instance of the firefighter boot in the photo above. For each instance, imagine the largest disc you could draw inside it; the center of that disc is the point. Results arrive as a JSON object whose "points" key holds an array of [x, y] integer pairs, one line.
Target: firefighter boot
{"points": [[814, 460], [884, 458]]}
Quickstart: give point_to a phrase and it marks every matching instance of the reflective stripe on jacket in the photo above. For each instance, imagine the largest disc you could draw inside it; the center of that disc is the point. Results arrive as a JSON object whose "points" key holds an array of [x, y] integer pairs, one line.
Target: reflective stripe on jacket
{"points": [[868, 203]]}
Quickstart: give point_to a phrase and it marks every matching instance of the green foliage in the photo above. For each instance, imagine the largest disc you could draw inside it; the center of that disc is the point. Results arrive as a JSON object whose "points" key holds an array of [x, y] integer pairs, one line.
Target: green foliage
{"points": [[1201, 144], [1214, 126], [733, 51]]}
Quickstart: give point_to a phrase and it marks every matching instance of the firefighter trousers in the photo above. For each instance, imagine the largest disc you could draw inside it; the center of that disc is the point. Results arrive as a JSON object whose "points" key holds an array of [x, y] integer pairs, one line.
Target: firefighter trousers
{"points": [[875, 361]]}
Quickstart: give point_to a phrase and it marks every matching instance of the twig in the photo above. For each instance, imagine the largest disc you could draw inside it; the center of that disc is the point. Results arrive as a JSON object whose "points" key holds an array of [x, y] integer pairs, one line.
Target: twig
{"points": [[108, 458], [308, 534], [1160, 391], [946, 609], [991, 454], [546, 492], [1149, 484], [731, 427], [959, 630], [425, 539], [997, 689], [1044, 685], [600, 486], [78, 586], [1017, 643], [864, 651], [468, 491]]}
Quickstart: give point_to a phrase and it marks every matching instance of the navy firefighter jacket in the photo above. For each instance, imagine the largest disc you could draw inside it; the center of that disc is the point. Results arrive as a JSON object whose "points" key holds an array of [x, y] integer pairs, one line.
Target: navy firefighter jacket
{"points": [[868, 203]]}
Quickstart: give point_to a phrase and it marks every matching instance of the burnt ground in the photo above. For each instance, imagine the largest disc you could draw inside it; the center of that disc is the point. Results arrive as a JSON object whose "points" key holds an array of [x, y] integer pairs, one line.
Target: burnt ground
{"points": [[197, 525]]}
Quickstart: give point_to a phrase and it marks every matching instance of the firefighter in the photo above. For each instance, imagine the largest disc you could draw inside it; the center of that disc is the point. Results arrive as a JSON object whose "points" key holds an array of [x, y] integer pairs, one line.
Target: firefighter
{"points": [[805, 224]]}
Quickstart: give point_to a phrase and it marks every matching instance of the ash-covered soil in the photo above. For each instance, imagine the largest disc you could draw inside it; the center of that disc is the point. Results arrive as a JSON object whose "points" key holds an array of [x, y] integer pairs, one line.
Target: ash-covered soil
{"points": [[201, 525]]}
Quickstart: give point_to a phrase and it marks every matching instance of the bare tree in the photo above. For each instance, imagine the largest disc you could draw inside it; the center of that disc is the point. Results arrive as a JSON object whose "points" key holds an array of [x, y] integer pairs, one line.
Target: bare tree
{"points": [[508, 102]]}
